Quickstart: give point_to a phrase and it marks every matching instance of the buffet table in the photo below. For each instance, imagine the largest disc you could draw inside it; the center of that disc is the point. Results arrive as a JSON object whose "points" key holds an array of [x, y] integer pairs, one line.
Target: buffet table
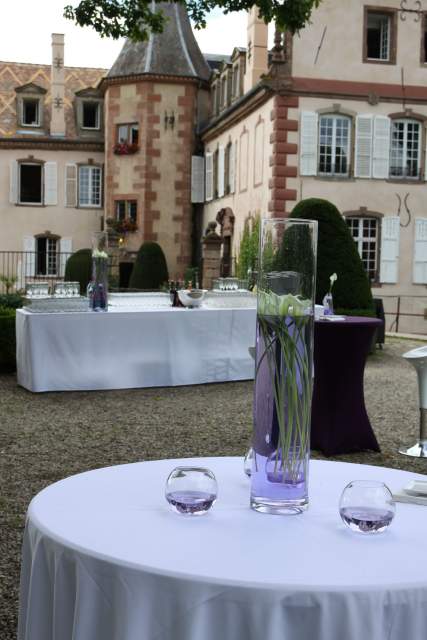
{"points": [[105, 557], [125, 349]]}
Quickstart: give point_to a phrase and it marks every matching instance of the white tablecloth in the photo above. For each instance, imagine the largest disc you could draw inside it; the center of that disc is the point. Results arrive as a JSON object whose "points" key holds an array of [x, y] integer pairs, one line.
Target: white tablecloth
{"points": [[127, 349], [104, 558]]}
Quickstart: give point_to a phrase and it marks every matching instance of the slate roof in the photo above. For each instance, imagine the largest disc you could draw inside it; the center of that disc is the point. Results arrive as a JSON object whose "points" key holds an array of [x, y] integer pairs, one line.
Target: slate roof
{"points": [[174, 52], [14, 75]]}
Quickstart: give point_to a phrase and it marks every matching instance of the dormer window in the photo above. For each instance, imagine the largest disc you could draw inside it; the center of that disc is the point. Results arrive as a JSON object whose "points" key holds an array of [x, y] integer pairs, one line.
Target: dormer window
{"points": [[29, 105], [30, 112], [90, 115]]}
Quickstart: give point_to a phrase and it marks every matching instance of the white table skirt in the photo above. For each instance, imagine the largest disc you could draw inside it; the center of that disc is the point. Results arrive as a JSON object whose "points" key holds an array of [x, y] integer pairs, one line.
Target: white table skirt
{"points": [[128, 349], [104, 558]]}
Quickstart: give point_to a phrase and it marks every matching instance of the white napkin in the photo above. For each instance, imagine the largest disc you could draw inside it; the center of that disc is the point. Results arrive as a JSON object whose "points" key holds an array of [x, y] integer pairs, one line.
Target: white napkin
{"points": [[402, 496], [333, 318]]}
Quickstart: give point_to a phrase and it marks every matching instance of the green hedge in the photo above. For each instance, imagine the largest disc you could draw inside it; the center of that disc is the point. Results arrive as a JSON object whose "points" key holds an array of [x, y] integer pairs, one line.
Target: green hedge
{"points": [[11, 300], [150, 270], [79, 269], [7, 340], [336, 253]]}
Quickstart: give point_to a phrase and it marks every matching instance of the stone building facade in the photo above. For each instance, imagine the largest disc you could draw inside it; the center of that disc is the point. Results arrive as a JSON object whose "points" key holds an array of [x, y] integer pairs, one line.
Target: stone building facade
{"points": [[337, 112], [51, 161]]}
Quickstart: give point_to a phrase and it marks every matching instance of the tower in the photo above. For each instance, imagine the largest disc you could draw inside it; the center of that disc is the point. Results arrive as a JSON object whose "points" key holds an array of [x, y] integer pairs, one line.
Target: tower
{"points": [[156, 94]]}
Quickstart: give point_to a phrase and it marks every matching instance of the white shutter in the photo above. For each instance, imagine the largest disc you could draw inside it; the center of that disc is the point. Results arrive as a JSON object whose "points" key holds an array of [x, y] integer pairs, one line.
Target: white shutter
{"points": [[65, 248], [221, 164], [13, 182], [381, 155], [209, 176], [29, 257], [232, 167], [363, 151], [197, 179], [50, 183], [70, 185], [308, 146], [425, 164], [390, 232], [420, 251]]}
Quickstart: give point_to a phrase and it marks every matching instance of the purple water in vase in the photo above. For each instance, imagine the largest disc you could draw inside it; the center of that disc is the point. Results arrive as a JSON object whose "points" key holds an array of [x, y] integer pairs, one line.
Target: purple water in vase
{"points": [[191, 502], [282, 408]]}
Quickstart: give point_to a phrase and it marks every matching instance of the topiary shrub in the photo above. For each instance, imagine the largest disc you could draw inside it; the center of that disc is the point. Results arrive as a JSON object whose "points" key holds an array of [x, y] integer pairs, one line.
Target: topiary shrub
{"points": [[79, 268], [150, 270], [7, 340], [336, 253]]}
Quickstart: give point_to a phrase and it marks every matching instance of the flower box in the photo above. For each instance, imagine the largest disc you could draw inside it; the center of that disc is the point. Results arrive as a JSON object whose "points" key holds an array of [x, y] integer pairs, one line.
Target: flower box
{"points": [[125, 149]]}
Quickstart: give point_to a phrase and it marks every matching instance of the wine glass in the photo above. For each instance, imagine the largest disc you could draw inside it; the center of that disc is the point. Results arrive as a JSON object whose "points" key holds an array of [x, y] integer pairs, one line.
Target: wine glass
{"points": [[367, 506], [191, 490]]}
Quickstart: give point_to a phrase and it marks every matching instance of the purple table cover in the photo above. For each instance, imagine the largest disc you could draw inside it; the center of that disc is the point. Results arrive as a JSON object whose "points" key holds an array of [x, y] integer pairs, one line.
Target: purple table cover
{"points": [[339, 421]]}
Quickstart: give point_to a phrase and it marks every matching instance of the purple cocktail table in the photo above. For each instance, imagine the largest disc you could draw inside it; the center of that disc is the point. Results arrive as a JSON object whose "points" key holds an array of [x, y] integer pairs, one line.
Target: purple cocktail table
{"points": [[339, 421]]}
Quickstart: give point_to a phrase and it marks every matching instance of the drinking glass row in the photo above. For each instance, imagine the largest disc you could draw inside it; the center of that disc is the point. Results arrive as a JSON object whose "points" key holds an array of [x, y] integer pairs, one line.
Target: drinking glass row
{"points": [[60, 290]]}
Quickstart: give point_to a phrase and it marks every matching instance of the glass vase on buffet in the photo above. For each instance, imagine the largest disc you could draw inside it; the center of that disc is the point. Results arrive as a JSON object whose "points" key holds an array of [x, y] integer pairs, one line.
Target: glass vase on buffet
{"points": [[98, 286], [283, 365]]}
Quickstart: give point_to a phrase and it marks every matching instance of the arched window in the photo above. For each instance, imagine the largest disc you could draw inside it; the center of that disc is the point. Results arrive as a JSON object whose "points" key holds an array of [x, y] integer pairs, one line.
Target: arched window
{"points": [[334, 145], [405, 149]]}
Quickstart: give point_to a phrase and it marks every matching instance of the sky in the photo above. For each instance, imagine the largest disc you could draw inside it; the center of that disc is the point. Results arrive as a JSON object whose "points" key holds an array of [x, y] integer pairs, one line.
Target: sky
{"points": [[26, 27]]}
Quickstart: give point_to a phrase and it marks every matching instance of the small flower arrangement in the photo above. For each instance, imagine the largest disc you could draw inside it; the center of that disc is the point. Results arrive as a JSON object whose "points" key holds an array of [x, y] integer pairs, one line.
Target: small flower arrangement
{"points": [[333, 278], [97, 253], [122, 226], [125, 148]]}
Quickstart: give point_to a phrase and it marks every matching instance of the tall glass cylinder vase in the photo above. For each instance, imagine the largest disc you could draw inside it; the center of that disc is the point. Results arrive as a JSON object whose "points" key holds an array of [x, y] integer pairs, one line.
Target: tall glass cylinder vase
{"points": [[284, 365], [98, 287]]}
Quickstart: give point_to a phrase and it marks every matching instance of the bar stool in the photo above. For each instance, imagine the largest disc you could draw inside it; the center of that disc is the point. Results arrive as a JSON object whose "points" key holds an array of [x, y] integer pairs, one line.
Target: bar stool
{"points": [[418, 358]]}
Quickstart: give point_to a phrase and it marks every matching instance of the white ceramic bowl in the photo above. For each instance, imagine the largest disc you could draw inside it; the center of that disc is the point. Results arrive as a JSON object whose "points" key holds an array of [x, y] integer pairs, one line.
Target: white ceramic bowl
{"points": [[191, 298]]}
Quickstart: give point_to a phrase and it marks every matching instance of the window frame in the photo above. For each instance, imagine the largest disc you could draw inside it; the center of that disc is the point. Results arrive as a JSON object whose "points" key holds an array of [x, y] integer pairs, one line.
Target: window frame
{"points": [[37, 101], [19, 188], [360, 218], [392, 15], [92, 168], [96, 103], [48, 254], [128, 215], [406, 121], [129, 126], [335, 117]]}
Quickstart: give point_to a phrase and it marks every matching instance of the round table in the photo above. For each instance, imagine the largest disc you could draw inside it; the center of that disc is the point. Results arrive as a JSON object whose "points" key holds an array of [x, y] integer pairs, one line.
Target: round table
{"points": [[339, 421], [104, 558]]}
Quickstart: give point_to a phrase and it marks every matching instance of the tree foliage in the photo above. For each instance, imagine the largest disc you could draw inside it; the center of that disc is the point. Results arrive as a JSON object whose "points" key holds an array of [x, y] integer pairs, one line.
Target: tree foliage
{"points": [[135, 19], [150, 271], [248, 249]]}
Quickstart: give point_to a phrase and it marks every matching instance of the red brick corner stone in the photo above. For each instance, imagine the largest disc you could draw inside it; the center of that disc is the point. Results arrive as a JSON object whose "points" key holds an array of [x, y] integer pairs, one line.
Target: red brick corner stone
{"points": [[283, 156]]}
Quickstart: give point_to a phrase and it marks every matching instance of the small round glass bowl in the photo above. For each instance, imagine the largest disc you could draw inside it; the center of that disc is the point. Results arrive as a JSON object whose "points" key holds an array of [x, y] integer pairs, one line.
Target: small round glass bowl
{"points": [[191, 491], [367, 506]]}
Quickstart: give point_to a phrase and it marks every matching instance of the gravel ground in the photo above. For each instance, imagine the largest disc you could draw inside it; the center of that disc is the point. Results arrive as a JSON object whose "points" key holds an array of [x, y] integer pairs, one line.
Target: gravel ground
{"points": [[46, 437]]}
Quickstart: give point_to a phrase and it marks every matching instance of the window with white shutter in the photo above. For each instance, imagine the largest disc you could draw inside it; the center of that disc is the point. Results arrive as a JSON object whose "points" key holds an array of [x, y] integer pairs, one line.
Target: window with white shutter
{"points": [[232, 167], [405, 153], [221, 165], [390, 234], [90, 186], [13, 182], [363, 149], [71, 185], [29, 256], [334, 145], [50, 183], [381, 153], [197, 179], [308, 146], [420, 251], [65, 249], [208, 176]]}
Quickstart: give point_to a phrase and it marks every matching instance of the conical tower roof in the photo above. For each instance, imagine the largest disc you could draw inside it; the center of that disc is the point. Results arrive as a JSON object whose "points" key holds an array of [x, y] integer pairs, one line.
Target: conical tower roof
{"points": [[174, 52]]}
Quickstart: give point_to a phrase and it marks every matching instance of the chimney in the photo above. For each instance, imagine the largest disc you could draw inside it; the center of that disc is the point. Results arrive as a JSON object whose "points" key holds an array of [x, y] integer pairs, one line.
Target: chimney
{"points": [[57, 82], [257, 49]]}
